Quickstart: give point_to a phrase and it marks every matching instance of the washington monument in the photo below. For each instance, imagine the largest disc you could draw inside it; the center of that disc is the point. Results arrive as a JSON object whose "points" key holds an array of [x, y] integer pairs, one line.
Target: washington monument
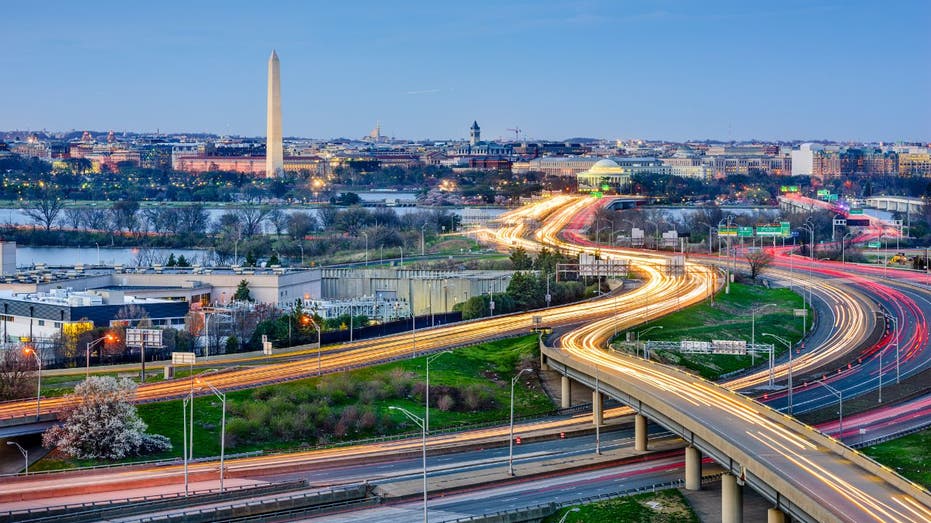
{"points": [[274, 156]]}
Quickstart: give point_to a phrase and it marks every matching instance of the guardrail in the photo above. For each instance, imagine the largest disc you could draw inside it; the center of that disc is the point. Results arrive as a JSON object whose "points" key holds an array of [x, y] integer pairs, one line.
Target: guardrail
{"points": [[298, 504], [97, 510], [521, 514]]}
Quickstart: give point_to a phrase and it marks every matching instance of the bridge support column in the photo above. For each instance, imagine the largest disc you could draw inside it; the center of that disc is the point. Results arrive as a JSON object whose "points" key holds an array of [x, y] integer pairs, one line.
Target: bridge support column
{"points": [[640, 432], [774, 515], [565, 397], [597, 408], [692, 468], [732, 510]]}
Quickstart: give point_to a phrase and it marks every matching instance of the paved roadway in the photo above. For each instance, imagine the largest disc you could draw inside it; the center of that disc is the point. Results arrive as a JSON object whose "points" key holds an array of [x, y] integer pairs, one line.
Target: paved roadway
{"points": [[693, 290]]}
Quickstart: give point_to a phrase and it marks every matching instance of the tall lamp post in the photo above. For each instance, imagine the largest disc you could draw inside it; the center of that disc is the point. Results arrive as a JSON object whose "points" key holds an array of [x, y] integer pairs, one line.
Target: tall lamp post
{"points": [[24, 452], [366, 235], [87, 354], [423, 427], [788, 345], [309, 319], [710, 235], [422, 244], [843, 244], [895, 329], [644, 331], [35, 354], [840, 399], [753, 328], [511, 433], [430, 358], [222, 397]]}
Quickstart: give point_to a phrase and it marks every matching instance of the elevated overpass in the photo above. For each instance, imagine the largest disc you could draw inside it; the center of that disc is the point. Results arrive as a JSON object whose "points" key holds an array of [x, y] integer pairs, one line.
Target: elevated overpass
{"points": [[904, 204], [804, 473]]}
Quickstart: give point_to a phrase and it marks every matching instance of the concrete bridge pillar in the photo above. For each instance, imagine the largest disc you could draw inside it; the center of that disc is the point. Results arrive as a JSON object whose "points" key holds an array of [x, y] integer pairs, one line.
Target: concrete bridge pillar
{"points": [[640, 433], [597, 408], [732, 510], [565, 397], [774, 515], [692, 468]]}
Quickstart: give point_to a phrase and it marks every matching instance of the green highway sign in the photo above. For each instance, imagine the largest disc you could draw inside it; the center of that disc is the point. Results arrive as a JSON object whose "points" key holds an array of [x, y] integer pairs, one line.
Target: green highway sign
{"points": [[727, 231], [745, 232], [831, 197], [823, 192], [874, 244], [856, 212]]}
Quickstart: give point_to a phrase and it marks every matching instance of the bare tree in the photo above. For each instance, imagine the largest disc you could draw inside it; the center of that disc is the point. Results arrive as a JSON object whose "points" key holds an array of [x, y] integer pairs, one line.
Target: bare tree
{"points": [[17, 373], [251, 218], [74, 217], [279, 220], [45, 206], [96, 219], [758, 262]]}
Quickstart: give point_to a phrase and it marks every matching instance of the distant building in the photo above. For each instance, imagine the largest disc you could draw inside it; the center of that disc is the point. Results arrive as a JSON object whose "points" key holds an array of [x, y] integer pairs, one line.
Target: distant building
{"points": [[44, 315], [556, 166], [255, 165], [476, 147], [803, 159], [915, 162], [615, 174]]}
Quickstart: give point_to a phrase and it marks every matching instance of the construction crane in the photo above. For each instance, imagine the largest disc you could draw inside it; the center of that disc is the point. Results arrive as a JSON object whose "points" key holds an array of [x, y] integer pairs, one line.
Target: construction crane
{"points": [[516, 131]]}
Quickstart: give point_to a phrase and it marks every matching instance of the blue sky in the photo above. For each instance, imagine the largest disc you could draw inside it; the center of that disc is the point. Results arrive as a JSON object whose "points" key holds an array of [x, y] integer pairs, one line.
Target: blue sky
{"points": [[843, 70]]}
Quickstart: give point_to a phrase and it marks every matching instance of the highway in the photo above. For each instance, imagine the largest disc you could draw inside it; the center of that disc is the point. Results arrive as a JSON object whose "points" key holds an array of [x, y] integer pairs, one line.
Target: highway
{"points": [[633, 307]]}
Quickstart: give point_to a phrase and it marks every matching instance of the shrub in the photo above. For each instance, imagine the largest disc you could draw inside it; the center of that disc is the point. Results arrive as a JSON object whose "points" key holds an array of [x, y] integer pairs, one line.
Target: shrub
{"points": [[446, 403], [478, 397]]}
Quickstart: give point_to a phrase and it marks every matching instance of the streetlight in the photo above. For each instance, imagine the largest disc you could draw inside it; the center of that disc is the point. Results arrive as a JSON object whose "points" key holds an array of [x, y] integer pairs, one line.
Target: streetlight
{"points": [[30, 350], [809, 227], [430, 358], [840, 398], [511, 439], [188, 450], [422, 245], [644, 331], [23, 451], [87, 355], [753, 328], [564, 516], [843, 244], [895, 329], [366, 235], [710, 235], [788, 345], [423, 427], [309, 319], [222, 397]]}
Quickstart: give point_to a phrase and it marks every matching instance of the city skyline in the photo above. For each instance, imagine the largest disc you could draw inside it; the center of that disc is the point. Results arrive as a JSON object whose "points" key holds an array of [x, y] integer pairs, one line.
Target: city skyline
{"points": [[666, 70]]}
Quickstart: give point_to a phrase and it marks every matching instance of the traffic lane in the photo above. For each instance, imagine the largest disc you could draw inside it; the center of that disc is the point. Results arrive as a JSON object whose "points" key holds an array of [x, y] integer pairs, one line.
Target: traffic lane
{"points": [[851, 493], [521, 494], [473, 460], [864, 377]]}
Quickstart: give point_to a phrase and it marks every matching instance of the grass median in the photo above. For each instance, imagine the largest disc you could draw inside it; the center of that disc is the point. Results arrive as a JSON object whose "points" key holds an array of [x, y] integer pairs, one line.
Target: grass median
{"points": [[665, 506], [729, 319], [469, 386], [909, 455]]}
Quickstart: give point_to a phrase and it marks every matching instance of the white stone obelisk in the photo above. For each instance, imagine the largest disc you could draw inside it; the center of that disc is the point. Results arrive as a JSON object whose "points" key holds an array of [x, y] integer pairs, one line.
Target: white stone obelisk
{"points": [[274, 154]]}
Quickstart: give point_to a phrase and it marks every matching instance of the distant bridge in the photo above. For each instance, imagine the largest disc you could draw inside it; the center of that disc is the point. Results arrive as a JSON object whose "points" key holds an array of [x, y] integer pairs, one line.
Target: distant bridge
{"points": [[897, 204]]}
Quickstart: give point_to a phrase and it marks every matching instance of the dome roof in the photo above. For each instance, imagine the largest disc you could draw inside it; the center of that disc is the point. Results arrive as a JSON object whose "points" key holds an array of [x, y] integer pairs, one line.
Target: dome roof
{"points": [[605, 167]]}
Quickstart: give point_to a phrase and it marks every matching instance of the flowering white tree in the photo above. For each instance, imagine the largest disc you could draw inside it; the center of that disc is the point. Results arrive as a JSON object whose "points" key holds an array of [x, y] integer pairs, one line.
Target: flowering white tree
{"points": [[102, 423]]}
